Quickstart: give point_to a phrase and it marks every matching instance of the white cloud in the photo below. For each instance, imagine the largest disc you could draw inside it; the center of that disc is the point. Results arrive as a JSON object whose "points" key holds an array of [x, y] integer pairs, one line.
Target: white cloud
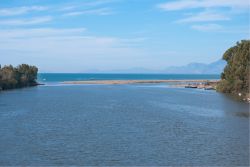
{"points": [[63, 35], [207, 11], [204, 17], [23, 22], [39, 32], [100, 11], [68, 47], [22, 37], [91, 5], [192, 4], [20, 10], [207, 27]]}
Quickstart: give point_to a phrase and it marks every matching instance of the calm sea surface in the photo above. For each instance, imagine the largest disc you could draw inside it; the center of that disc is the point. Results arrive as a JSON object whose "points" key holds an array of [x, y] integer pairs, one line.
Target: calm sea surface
{"points": [[138, 124], [59, 77]]}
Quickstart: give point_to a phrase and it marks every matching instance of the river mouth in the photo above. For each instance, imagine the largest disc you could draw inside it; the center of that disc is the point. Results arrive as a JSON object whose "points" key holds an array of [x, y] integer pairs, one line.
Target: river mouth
{"points": [[122, 125]]}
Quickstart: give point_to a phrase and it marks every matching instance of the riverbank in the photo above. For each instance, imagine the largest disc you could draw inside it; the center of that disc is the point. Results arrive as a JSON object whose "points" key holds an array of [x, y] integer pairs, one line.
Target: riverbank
{"points": [[20, 87], [206, 84]]}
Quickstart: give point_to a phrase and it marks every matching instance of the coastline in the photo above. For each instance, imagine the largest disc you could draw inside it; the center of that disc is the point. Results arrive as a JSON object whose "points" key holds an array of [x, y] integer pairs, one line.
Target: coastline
{"points": [[111, 82], [206, 84]]}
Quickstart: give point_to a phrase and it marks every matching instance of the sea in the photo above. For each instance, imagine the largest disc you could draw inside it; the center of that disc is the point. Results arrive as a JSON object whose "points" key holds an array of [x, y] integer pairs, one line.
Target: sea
{"points": [[60, 77], [121, 125]]}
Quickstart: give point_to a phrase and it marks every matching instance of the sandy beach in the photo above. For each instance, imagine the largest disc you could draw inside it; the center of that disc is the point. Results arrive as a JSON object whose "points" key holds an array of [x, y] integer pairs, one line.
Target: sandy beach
{"points": [[138, 81]]}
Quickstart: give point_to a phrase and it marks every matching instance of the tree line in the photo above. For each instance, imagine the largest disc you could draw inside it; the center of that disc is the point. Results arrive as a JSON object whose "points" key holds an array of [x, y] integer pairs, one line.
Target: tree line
{"points": [[17, 77], [236, 75]]}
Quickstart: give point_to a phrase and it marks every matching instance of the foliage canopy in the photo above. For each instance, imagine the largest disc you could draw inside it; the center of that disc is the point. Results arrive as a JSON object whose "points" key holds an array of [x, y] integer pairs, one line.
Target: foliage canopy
{"points": [[235, 78], [17, 77]]}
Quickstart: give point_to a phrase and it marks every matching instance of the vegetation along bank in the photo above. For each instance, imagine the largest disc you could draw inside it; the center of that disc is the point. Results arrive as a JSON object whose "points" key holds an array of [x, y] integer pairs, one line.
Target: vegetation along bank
{"points": [[17, 77], [235, 77]]}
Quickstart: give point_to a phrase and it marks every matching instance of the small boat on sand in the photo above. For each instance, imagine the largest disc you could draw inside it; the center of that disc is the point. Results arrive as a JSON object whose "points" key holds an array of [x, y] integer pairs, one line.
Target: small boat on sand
{"points": [[191, 86]]}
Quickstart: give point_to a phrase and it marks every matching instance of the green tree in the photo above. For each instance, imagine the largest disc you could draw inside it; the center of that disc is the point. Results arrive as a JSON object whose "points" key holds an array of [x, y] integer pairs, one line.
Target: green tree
{"points": [[21, 76], [8, 77], [235, 78], [26, 74]]}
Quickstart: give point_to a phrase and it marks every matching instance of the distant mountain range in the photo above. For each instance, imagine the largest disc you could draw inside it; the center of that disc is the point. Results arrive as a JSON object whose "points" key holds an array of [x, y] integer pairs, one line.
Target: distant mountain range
{"points": [[192, 68], [198, 68]]}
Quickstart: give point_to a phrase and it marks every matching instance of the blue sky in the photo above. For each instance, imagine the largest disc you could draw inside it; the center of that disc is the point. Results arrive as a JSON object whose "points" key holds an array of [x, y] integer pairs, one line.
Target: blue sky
{"points": [[106, 35]]}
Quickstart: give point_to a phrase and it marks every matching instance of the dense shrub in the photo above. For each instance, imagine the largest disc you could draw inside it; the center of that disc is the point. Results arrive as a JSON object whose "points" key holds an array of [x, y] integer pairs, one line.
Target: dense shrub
{"points": [[16, 77]]}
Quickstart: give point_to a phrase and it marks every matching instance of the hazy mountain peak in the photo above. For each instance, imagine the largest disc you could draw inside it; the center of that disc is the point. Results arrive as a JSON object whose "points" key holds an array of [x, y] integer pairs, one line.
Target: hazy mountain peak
{"points": [[198, 68]]}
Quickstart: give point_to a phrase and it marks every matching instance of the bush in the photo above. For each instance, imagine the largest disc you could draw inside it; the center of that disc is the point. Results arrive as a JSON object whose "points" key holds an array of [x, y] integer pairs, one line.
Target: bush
{"points": [[21, 76]]}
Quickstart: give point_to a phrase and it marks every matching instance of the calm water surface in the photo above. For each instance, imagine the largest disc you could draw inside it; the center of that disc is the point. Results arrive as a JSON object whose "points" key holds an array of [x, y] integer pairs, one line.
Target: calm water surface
{"points": [[121, 125], [59, 77]]}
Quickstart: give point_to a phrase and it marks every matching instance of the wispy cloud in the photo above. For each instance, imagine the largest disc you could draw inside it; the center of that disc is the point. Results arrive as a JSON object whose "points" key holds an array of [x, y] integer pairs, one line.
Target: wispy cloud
{"points": [[15, 16], [192, 4], [62, 34], [95, 7], [40, 32], [206, 16], [100, 11], [82, 5], [24, 22], [73, 46], [221, 29], [207, 27], [208, 12], [21, 10]]}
